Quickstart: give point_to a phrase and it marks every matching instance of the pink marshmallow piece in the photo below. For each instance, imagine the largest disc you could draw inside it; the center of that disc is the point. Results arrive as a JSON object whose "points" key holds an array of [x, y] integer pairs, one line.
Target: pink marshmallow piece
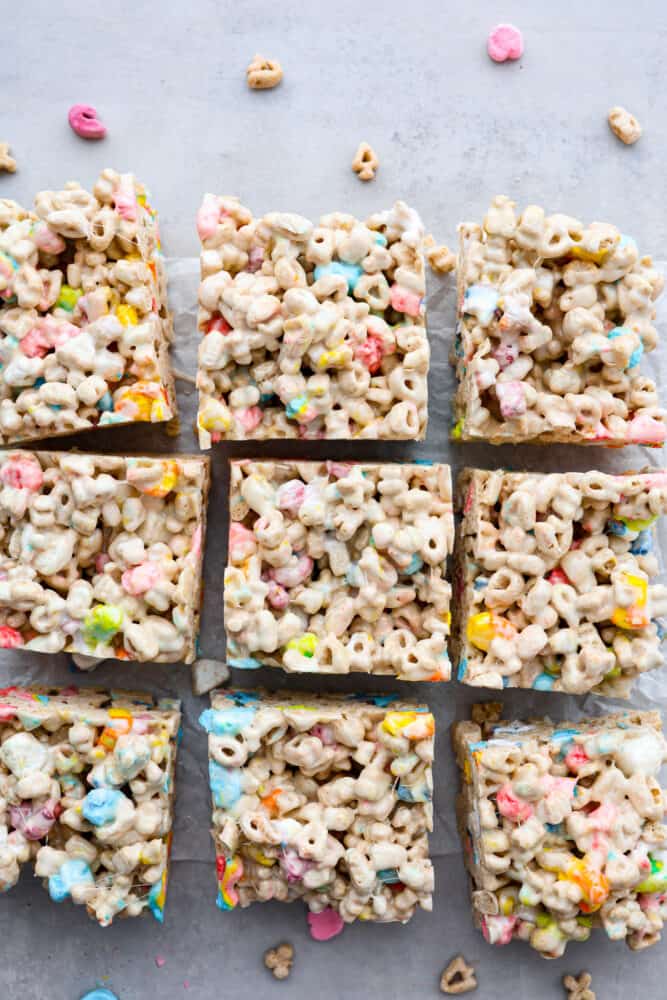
{"points": [[160, 961], [505, 42], [325, 925], [84, 121]]}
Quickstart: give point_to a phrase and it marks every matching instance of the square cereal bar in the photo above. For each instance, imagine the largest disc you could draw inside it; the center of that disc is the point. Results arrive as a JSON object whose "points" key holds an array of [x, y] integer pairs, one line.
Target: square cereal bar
{"points": [[311, 331], [553, 576], [554, 317], [335, 567], [87, 793], [102, 555], [322, 798], [84, 327], [562, 828]]}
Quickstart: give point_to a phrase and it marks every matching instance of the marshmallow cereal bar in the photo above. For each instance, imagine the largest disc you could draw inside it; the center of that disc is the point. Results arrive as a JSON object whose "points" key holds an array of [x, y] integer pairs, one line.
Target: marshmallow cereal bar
{"points": [[554, 318], [84, 327], [86, 794], [101, 555], [322, 798], [339, 567], [311, 331], [562, 829], [554, 578]]}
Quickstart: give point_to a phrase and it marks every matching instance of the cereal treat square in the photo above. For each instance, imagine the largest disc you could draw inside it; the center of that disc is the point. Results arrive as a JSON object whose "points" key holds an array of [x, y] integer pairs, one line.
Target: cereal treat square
{"points": [[554, 317], [84, 327], [553, 577], [337, 568], [311, 331], [101, 555], [562, 829], [322, 798], [86, 794]]}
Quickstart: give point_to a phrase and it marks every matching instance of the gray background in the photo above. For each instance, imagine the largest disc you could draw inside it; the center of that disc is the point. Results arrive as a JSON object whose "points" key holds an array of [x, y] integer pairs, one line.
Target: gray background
{"points": [[451, 130]]}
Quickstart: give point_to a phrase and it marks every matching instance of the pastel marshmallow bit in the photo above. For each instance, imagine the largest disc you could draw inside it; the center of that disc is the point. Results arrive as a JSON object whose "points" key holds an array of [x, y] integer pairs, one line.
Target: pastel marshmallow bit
{"points": [[325, 925], [505, 42], [84, 121]]}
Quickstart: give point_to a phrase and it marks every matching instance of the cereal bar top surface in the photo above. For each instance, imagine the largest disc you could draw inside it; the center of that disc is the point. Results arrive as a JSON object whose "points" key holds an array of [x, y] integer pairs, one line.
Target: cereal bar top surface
{"points": [[311, 331], [554, 576], [101, 555], [322, 798], [86, 788], [563, 829], [338, 567], [84, 328], [554, 317]]}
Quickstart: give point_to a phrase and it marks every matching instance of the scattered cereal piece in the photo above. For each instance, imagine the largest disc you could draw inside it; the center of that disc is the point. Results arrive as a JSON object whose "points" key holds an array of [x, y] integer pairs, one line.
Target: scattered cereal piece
{"points": [[263, 74], [578, 987], [160, 960], [624, 125], [365, 162], [505, 42], [84, 121], [100, 994], [440, 258], [325, 925], [279, 960], [7, 162], [208, 674], [458, 977]]}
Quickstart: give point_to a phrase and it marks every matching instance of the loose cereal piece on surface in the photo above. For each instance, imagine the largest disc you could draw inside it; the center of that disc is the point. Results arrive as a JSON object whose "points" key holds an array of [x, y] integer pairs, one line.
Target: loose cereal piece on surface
{"points": [[554, 318], [458, 977], [279, 960], [88, 781], [101, 555], [554, 580], [263, 74], [208, 674], [624, 125], [579, 987], [562, 829], [8, 164], [440, 257], [311, 331], [84, 326], [505, 42], [339, 567], [326, 799], [365, 162], [84, 121]]}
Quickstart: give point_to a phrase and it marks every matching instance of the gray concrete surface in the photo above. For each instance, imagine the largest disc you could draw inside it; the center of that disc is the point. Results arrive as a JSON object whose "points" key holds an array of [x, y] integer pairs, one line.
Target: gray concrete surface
{"points": [[451, 129]]}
